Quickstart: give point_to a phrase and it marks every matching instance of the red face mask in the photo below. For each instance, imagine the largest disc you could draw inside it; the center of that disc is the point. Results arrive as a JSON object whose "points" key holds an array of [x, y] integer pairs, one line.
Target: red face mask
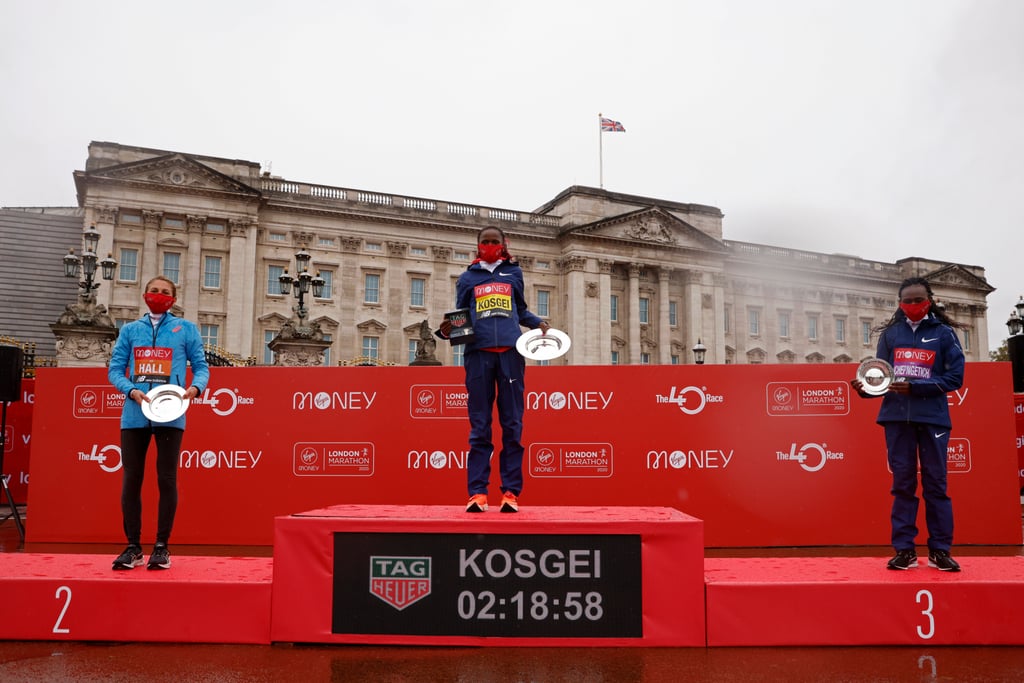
{"points": [[490, 253], [916, 312], [158, 303]]}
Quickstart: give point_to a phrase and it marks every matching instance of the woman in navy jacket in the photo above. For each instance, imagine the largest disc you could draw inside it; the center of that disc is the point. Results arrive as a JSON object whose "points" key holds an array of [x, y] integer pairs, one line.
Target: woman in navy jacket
{"points": [[920, 343], [149, 352], [493, 291]]}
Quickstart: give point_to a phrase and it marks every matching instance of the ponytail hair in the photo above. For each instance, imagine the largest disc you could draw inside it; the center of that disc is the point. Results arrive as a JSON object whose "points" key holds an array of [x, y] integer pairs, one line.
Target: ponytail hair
{"points": [[899, 316]]}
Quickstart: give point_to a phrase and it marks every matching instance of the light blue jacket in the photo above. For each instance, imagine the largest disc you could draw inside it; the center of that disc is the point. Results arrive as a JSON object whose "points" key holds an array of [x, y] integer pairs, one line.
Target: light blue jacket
{"points": [[186, 344]]}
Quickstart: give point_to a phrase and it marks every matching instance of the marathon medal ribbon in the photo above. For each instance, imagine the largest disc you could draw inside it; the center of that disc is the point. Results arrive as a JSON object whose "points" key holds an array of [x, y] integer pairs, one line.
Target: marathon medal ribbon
{"points": [[153, 364]]}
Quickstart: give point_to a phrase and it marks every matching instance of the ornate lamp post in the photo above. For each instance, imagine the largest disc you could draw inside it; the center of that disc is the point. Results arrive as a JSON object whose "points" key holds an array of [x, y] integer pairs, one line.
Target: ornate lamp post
{"points": [[301, 286], [300, 342], [85, 332], [1015, 344], [698, 352], [87, 265]]}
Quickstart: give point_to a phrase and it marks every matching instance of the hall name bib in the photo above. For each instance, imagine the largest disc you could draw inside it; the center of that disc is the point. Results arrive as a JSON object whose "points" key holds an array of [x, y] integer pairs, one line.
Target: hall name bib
{"points": [[153, 364]]}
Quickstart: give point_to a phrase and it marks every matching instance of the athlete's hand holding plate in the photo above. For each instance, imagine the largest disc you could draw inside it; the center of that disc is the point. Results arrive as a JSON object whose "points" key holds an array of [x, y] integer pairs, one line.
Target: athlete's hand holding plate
{"points": [[166, 403], [536, 345], [875, 376]]}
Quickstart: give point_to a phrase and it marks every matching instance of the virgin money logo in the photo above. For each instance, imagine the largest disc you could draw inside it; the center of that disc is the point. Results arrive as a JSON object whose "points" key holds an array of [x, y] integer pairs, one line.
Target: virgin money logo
{"points": [[569, 400], [436, 459], [333, 400]]}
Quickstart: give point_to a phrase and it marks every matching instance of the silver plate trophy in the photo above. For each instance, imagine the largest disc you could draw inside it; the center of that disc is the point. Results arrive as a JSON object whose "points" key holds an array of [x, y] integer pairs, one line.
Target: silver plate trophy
{"points": [[875, 375], [536, 345], [166, 403]]}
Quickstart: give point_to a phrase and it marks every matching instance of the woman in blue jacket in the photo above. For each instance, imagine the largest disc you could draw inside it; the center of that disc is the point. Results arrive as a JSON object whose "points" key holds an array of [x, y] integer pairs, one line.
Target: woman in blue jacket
{"points": [[152, 351], [493, 291], [920, 343]]}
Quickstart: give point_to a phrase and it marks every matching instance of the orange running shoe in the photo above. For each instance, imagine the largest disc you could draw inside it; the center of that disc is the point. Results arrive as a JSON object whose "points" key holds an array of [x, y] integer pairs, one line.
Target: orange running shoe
{"points": [[477, 503], [509, 502]]}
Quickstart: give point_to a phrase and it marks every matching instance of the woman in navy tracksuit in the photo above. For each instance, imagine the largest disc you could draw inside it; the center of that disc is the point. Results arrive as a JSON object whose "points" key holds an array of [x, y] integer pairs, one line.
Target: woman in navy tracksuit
{"points": [[149, 352], [493, 291], [920, 343]]}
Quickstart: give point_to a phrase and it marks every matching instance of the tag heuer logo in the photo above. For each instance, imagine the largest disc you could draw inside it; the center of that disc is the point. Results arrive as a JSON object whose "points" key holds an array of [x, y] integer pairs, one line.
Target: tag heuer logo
{"points": [[399, 581]]}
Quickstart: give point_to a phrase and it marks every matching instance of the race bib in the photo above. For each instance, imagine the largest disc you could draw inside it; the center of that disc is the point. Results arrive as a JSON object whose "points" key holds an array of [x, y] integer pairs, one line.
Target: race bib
{"points": [[493, 300], [913, 363], [153, 364]]}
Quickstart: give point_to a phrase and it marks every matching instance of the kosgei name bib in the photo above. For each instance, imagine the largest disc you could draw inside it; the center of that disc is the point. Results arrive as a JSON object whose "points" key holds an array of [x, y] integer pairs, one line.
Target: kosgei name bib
{"points": [[493, 300]]}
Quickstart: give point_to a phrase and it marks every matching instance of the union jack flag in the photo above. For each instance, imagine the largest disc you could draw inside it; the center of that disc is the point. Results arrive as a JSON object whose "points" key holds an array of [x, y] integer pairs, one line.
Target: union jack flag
{"points": [[609, 126]]}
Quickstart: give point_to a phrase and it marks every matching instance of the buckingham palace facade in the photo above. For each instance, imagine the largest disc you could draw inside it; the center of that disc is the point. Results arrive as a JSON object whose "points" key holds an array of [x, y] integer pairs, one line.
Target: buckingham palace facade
{"points": [[631, 279]]}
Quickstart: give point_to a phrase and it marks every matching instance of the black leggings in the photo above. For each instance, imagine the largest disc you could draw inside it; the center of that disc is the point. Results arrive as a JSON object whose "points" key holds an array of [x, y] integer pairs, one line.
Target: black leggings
{"points": [[134, 444]]}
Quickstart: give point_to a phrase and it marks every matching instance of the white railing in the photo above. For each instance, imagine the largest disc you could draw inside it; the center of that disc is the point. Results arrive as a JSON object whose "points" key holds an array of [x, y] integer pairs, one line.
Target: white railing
{"points": [[830, 260], [340, 194]]}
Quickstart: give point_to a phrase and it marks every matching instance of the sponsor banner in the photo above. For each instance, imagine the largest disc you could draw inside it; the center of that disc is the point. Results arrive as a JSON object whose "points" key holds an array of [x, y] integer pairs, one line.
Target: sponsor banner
{"points": [[18, 443], [265, 441], [792, 399], [438, 401], [1018, 411], [570, 460]]}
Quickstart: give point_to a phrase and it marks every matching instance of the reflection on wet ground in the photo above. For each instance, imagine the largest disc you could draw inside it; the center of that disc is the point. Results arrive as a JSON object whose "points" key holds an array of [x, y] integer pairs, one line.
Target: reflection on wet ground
{"points": [[85, 662]]}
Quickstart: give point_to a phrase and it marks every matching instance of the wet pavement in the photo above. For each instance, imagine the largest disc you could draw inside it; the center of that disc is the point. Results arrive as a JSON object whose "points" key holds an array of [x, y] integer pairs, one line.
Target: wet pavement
{"points": [[87, 661]]}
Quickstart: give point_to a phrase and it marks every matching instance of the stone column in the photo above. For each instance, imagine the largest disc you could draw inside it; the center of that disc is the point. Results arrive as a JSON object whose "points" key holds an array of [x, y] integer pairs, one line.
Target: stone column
{"points": [[604, 336], [693, 315], [575, 324], [664, 324], [243, 271], [149, 260], [633, 333], [189, 298], [716, 347]]}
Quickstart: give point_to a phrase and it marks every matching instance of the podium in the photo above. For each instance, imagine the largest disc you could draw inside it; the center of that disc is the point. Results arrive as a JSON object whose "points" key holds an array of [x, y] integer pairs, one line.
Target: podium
{"points": [[436, 575]]}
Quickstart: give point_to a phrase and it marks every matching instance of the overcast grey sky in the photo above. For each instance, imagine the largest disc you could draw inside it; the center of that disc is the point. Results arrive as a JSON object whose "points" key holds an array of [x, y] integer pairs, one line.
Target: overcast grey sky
{"points": [[879, 128]]}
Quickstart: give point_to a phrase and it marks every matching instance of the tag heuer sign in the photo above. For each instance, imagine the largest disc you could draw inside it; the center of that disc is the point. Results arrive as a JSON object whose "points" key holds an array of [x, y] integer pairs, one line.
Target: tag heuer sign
{"points": [[399, 581]]}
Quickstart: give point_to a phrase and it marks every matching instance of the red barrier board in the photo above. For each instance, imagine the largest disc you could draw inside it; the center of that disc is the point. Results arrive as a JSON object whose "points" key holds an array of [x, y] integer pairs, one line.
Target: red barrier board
{"points": [[79, 597], [795, 601], [1018, 411], [17, 442], [433, 575], [766, 455]]}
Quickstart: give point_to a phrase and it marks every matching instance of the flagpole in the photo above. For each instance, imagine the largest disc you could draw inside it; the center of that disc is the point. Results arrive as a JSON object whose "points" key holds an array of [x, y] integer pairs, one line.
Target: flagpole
{"points": [[600, 153]]}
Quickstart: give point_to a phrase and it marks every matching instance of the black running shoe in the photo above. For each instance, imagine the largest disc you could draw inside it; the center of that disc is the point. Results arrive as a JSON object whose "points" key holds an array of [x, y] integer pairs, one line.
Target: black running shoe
{"points": [[905, 559], [159, 558], [941, 560], [129, 559]]}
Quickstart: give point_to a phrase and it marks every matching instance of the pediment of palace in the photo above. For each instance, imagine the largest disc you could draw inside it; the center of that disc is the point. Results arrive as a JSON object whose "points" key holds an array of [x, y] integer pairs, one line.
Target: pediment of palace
{"points": [[651, 226], [954, 275], [173, 172]]}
